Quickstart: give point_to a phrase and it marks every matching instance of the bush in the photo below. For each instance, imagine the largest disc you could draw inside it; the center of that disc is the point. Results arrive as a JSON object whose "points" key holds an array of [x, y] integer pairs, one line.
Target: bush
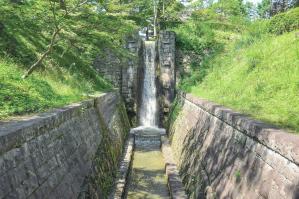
{"points": [[254, 32], [196, 37], [284, 22]]}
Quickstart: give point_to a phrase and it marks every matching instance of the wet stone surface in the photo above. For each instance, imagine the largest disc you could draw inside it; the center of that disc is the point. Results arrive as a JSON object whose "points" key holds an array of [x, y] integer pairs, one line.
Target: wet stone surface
{"points": [[148, 179]]}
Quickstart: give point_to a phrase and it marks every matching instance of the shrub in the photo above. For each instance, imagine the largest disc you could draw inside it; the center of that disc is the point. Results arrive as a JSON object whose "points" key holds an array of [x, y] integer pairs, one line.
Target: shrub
{"points": [[284, 22], [254, 32], [195, 36]]}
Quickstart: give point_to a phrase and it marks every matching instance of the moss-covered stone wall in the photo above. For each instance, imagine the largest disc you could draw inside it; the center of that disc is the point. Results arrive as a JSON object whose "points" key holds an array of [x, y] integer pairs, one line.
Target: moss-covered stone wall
{"points": [[67, 153]]}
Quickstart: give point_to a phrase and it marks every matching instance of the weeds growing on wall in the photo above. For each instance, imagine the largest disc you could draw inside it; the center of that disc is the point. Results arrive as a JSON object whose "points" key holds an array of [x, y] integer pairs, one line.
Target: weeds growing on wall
{"points": [[106, 161], [175, 110]]}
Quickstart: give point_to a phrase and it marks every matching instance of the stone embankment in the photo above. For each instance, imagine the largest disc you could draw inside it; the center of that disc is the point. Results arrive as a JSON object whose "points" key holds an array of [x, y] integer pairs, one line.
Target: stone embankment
{"points": [[224, 154], [148, 169], [70, 152]]}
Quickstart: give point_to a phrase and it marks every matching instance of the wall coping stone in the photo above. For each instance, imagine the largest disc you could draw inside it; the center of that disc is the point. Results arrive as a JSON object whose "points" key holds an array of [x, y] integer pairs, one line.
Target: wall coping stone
{"points": [[277, 140], [124, 170], [174, 181], [17, 131]]}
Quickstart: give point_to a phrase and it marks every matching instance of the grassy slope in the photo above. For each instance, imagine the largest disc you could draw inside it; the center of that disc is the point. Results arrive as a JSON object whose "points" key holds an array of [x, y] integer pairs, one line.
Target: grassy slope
{"points": [[39, 92], [261, 79], [248, 68], [66, 74]]}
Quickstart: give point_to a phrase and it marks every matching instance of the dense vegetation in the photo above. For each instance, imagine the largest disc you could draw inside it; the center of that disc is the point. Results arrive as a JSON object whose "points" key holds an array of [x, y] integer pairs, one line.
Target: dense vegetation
{"points": [[47, 47], [65, 75], [248, 65], [241, 56]]}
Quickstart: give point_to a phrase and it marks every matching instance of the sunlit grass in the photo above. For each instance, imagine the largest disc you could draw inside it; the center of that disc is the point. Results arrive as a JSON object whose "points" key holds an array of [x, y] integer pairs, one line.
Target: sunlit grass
{"points": [[66, 75], [40, 91], [261, 79]]}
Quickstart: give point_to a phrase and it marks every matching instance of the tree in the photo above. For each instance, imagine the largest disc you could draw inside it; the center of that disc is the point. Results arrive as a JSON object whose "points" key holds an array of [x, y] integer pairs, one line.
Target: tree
{"points": [[57, 27], [155, 9], [230, 7], [171, 13], [278, 6], [264, 9]]}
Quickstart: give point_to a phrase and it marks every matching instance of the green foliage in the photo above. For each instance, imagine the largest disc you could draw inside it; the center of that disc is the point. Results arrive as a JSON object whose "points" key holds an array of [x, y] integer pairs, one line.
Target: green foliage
{"points": [[170, 15], [243, 65], [41, 91], [238, 175], [66, 75], [201, 32], [285, 22], [263, 9], [195, 36], [105, 171], [138, 10], [260, 80], [175, 110], [205, 34], [254, 32], [229, 7]]}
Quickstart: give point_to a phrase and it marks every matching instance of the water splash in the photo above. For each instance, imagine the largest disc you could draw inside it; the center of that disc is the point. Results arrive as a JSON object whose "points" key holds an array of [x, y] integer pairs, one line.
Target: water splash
{"points": [[148, 109]]}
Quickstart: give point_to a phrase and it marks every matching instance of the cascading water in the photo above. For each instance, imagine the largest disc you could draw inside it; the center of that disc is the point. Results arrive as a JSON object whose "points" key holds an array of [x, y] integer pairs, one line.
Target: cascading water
{"points": [[148, 166], [148, 109]]}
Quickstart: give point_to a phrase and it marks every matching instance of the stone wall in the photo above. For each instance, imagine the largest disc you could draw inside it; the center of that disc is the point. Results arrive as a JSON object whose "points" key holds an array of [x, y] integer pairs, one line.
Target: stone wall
{"points": [[123, 74], [166, 48], [109, 66], [128, 75], [224, 154], [52, 155], [131, 73]]}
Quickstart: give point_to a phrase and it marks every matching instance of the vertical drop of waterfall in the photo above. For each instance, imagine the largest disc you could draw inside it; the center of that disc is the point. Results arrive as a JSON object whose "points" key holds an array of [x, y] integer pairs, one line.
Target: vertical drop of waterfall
{"points": [[148, 108]]}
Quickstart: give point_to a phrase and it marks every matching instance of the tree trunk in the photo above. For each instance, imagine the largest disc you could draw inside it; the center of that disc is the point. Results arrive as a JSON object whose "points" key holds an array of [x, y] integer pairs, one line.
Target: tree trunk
{"points": [[155, 17], [44, 55]]}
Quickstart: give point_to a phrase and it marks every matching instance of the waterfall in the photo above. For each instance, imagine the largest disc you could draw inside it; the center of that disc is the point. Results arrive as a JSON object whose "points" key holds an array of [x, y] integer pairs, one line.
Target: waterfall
{"points": [[148, 108]]}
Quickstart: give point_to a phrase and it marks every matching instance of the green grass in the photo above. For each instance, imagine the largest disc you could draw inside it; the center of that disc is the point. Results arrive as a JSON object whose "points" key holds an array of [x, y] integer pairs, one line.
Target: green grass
{"points": [[66, 75], [41, 90], [251, 67], [260, 79]]}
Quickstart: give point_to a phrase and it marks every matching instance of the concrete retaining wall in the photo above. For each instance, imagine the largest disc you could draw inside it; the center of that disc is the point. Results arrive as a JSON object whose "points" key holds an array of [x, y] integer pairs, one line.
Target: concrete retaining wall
{"points": [[52, 155], [224, 154]]}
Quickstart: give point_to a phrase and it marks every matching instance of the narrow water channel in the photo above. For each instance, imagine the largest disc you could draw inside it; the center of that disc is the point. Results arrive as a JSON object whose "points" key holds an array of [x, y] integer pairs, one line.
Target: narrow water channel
{"points": [[147, 179]]}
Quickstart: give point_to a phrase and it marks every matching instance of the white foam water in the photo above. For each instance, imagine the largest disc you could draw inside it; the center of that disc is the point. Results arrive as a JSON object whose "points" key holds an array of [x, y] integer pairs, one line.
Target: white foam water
{"points": [[148, 109]]}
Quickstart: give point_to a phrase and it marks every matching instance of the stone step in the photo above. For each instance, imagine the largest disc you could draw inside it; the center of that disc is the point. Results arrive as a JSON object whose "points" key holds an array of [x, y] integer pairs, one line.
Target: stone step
{"points": [[147, 137]]}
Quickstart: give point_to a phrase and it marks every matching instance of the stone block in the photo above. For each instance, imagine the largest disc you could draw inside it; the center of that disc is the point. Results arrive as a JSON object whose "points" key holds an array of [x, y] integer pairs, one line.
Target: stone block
{"points": [[23, 179], [45, 170], [13, 158], [62, 143], [5, 187], [229, 146]]}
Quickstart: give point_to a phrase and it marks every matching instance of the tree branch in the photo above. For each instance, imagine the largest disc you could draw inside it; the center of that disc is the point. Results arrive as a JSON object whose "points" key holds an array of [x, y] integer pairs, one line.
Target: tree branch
{"points": [[44, 55], [54, 35]]}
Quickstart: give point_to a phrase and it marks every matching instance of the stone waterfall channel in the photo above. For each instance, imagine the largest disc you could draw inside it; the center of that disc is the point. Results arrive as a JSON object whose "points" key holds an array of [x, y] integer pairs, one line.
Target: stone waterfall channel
{"points": [[147, 169], [148, 109], [147, 178]]}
